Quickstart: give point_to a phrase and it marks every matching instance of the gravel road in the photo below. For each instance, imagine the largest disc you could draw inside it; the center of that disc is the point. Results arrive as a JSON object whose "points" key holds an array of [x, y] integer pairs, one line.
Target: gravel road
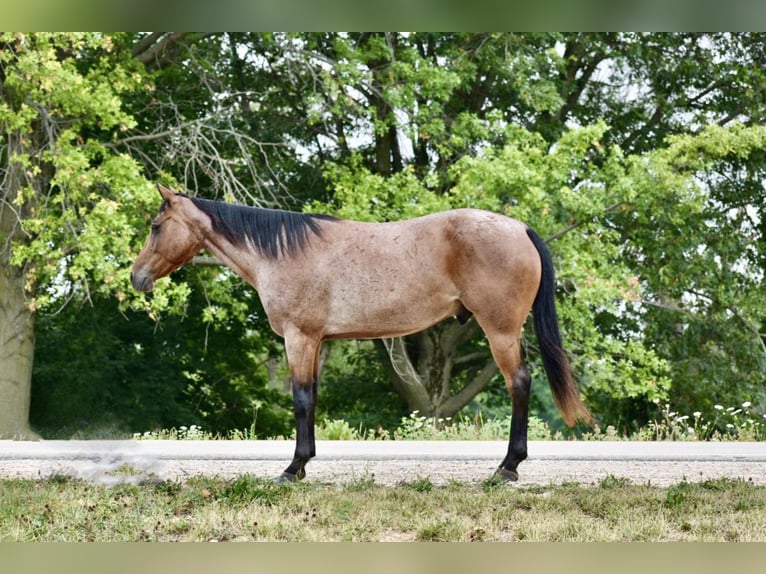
{"points": [[387, 462]]}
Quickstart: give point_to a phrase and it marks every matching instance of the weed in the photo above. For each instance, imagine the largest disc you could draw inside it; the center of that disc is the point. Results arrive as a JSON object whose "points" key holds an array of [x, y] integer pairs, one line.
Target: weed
{"points": [[732, 423], [360, 484], [246, 489], [336, 430], [492, 483], [422, 485], [192, 432], [437, 531], [741, 423], [419, 427], [719, 484], [678, 495], [611, 481]]}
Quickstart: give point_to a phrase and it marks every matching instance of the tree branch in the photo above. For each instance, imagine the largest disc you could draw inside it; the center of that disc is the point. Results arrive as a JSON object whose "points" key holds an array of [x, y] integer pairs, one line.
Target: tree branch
{"points": [[577, 224], [207, 261], [462, 359], [403, 375], [468, 392], [160, 49]]}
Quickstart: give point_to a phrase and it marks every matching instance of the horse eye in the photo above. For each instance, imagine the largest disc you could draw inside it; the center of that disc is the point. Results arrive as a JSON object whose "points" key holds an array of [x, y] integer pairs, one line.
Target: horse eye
{"points": [[155, 227]]}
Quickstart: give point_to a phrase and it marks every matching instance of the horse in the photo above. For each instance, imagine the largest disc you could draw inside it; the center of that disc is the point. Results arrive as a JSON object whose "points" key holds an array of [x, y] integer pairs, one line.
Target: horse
{"points": [[321, 278]]}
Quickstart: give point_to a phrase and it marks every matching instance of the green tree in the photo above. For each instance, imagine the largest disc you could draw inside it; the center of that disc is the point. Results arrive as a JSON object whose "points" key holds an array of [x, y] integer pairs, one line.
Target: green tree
{"points": [[85, 117], [639, 156], [455, 99], [568, 132], [108, 371], [69, 205]]}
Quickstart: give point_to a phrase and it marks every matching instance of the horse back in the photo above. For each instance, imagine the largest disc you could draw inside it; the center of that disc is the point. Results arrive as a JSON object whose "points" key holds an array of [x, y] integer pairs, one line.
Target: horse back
{"points": [[369, 280]]}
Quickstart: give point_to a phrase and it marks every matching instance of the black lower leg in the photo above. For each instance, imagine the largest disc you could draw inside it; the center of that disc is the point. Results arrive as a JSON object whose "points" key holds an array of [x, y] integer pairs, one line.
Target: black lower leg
{"points": [[303, 402], [517, 443], [312, 409]]}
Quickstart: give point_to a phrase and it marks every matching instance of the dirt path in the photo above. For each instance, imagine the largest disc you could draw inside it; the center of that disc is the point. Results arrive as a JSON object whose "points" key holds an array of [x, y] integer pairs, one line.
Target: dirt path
{"points": [[549, 463]]}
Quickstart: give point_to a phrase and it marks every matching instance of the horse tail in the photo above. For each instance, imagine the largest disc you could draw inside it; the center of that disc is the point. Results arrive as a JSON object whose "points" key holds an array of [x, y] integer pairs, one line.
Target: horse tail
{"points": [[555, 360]]}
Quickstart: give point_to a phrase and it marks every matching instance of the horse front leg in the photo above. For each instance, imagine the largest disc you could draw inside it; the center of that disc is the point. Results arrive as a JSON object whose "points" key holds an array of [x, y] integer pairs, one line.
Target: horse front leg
{"points": [[312, 409], [304, 403], [302, 357]]}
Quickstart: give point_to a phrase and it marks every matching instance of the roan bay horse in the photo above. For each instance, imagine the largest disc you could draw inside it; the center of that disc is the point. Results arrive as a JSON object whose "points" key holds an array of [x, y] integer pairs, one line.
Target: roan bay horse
{"points": [[323, 278]]}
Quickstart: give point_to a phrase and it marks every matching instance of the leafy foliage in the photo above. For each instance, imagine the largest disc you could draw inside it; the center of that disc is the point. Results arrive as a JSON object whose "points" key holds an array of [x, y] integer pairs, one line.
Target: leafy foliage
{"points": [[354, 387], [102, 371], [639, 156], [82, 204]]}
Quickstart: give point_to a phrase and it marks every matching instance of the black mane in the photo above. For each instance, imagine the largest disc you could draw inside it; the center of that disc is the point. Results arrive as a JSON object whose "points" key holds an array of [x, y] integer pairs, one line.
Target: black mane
{"points": [[272, 232]]}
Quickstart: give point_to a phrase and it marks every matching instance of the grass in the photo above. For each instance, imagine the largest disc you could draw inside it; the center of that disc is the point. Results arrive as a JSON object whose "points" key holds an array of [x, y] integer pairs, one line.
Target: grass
{"points": [[249, 509], [741, 423]]}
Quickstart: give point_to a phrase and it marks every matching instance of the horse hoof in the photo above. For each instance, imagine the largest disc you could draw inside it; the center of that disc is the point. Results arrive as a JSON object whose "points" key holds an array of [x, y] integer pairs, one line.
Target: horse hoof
{"points": [[286, 478], [507, 475]]}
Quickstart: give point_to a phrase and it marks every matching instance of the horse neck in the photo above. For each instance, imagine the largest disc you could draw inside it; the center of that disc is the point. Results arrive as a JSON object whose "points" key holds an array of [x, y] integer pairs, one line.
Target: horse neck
{"points": [[242, 259]]}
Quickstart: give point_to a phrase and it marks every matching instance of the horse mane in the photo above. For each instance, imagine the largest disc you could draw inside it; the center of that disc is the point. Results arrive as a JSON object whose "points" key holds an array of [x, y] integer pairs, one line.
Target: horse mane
{"points": [[273, 232]]}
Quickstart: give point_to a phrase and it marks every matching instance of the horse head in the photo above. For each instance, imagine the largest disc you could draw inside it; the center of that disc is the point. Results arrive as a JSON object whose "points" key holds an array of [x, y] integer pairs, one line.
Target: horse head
{"points": [[173, 241]]}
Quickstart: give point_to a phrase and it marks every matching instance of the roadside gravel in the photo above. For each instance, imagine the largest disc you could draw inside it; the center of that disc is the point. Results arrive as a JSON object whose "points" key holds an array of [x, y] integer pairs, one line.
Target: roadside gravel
{"points": [[391, 463]]}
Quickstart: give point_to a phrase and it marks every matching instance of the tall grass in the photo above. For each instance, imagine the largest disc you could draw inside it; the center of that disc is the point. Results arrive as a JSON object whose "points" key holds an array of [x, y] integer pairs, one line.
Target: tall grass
{"points": [[741, 423]]}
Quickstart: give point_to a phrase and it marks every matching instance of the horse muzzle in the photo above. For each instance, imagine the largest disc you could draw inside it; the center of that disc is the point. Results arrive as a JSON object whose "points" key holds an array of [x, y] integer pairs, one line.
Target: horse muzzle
{"points": [[141, 281]]}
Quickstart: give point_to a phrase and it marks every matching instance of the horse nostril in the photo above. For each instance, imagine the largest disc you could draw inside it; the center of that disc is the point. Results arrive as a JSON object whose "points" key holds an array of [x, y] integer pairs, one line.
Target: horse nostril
{"points": [[141, 281], [136, 281]]}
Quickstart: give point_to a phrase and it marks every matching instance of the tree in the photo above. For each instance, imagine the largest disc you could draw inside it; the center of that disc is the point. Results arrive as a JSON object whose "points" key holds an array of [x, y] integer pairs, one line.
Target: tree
{"points": [[62, 190], [577, 134], [105, 371], [556, 129], [606, 143], [453, 98], [74, 199]]}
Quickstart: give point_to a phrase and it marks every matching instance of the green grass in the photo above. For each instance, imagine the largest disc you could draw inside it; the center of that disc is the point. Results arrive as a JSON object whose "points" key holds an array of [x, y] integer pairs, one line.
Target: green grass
{"points": [[248, 508], [740, 423]]}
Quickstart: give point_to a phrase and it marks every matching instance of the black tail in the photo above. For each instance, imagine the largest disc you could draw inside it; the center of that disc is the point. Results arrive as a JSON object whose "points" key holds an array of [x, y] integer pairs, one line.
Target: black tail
{"points": [[554, 357]]}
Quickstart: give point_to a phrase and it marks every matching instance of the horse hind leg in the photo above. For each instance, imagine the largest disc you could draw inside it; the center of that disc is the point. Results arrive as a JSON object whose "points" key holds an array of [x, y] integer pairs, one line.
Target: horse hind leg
{"points": [[506, 351], [517, 442]]}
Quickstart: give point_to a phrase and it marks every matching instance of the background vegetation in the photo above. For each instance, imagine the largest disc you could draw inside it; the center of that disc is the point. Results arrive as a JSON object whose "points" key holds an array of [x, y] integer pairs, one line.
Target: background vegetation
{"points": [[639, 157]]}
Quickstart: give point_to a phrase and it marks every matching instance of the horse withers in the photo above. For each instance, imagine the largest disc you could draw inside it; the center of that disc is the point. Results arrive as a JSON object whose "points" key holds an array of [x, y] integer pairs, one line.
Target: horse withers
{"points": [[322, 278]]}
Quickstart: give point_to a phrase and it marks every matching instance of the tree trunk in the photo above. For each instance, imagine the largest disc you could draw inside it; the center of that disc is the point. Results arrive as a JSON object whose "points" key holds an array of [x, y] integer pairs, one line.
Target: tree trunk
{"points": [[17, 344], [421, 368], [17, 340]]}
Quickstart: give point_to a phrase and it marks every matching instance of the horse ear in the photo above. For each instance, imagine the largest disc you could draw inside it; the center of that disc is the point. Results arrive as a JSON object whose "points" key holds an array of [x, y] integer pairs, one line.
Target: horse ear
{"points": [[166, 193]]}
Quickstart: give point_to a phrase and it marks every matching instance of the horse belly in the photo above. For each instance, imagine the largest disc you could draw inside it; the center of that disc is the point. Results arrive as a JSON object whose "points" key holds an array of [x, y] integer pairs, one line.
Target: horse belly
{"points": [[375, 309]]}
